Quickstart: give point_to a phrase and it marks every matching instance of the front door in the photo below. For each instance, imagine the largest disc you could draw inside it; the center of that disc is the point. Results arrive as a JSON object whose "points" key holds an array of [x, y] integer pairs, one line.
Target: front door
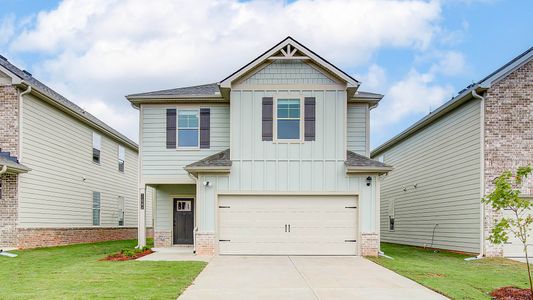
{"points": [[183, 220]]}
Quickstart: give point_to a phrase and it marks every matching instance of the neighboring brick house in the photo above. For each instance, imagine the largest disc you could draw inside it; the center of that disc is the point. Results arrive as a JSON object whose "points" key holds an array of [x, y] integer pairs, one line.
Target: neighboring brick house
{"points": [[66, 177], [446, 162]]}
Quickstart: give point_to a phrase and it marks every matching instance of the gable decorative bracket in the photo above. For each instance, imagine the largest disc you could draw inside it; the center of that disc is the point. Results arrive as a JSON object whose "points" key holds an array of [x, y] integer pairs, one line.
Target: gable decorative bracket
{"points": [[288, 52]]}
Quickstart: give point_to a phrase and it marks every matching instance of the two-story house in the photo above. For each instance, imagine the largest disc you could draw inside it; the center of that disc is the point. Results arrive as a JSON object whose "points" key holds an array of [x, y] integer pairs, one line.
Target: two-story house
{"points": [[272, 159], [447, 161], [65, 176]]}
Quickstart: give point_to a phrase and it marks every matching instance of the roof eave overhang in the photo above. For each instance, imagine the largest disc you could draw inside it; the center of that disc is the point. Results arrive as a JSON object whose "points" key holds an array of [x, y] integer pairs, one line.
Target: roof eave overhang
{"points": [[367, 170], [208, 170], [67, 110], [444, 109], [136, 101]]}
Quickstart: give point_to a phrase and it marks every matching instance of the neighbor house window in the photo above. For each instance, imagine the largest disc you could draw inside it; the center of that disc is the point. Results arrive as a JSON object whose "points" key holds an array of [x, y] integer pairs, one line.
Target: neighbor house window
{"points": [[391, 223], [97, 146], [188, 128], [288, 119], [120, 211], [96, 208], [121, 158], [391, 214]]}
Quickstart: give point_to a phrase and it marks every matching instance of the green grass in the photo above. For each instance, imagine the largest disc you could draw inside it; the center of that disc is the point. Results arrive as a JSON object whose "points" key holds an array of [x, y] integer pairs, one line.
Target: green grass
{"points": [[75, 272], [449, 274]]}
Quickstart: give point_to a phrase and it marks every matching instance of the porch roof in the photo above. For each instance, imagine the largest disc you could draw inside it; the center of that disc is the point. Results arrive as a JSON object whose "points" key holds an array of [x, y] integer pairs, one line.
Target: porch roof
{"points": [[356, 163]]}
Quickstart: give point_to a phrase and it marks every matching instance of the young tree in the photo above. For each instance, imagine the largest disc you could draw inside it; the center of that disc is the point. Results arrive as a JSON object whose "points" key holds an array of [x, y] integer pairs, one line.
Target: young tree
{"points": [[506, 195]]}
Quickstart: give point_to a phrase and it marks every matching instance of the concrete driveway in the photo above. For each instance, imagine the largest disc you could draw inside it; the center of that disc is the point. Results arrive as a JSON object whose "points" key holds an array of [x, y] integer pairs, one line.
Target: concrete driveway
{"points": [[302, 277]]}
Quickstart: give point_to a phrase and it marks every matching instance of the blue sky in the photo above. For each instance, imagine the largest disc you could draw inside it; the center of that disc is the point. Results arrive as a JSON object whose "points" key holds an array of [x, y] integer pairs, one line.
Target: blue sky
{"points": [[418, 53]]}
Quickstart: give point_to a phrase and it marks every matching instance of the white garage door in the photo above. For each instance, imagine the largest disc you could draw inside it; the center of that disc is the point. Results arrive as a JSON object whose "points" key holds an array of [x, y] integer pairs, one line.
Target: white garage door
{"points": [[288, 225], [514, 247]]}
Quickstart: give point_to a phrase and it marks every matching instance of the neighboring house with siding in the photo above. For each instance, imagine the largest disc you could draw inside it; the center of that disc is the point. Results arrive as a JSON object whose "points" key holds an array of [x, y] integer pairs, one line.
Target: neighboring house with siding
{"points": [[271, 160], [446, 162], [66, 176]]}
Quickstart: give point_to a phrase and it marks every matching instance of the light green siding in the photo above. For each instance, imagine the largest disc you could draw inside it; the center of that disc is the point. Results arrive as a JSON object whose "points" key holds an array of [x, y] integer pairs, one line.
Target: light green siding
{"points": [[443, 160], [288, 72], [162, 165], [57, 192], [163, 203], [357, 130]]}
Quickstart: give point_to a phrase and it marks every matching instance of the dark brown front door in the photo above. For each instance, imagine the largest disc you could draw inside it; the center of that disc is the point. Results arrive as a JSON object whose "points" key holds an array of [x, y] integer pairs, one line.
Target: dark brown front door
{"points": [[183, 220]]}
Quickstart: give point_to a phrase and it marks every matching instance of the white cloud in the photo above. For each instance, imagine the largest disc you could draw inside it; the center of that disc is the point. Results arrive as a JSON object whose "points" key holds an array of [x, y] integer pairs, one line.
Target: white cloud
{"points": [[104, 49], [375, 79], [7, 28]]}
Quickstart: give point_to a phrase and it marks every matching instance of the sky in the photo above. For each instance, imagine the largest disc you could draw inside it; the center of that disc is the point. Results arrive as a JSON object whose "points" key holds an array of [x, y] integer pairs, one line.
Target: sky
{"points": [[417, 53]]}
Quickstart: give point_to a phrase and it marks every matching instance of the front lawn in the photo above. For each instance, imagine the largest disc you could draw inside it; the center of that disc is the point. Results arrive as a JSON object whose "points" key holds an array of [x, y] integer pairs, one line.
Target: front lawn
{"points": [[75, 272], [449, 274]]}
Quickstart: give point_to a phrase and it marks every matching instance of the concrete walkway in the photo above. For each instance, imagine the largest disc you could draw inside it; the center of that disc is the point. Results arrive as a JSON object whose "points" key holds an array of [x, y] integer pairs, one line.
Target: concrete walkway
{"points": [[301, 277]]}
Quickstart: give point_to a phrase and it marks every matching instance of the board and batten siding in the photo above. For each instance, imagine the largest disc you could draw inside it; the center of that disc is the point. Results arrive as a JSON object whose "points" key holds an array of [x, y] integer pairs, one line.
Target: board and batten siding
{"points": [[58, 149], [162, 165], [358, 114], [443, 160]]}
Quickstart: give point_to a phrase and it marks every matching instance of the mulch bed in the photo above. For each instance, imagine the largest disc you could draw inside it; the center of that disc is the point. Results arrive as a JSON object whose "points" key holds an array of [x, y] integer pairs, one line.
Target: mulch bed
{"points": [[511, 293], [122, 257]]}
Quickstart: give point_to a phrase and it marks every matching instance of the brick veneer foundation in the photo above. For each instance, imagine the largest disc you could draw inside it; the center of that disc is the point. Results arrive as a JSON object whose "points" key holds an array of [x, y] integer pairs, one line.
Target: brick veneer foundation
{"points": [[369, 244], [46, 237], [508, 135], [205, 244], [162, 239], [8, 210]]}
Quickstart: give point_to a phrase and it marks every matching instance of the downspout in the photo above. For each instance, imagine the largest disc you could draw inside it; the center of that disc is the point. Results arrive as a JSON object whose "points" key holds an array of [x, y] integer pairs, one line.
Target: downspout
{"points": [[482, 173]]}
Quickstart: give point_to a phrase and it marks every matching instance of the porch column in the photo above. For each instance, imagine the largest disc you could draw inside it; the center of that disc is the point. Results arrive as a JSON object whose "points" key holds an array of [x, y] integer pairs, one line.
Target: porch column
{"points": [[141, 227]]}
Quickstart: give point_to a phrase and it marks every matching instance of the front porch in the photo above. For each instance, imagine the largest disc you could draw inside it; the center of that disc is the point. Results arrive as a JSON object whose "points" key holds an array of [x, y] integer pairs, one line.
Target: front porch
{"points": [[176, 219]]}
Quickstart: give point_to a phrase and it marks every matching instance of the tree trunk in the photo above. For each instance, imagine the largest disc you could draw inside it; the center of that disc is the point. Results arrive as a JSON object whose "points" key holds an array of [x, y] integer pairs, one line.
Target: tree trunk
{"points": [[528, 271]]}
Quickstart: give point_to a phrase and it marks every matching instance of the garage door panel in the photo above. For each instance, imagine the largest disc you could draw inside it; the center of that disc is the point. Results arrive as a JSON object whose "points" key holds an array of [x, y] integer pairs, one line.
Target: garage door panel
{"points": [[319, 225]]}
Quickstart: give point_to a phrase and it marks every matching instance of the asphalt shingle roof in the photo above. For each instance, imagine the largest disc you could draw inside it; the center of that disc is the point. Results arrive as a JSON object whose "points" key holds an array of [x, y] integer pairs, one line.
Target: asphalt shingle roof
{"points": [[44, 89], [357, 160], [11, 162], [210, 89], [220, 159]]}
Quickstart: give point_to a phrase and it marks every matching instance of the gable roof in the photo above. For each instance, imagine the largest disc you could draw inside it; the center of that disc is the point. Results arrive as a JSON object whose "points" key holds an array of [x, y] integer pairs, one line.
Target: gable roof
{"points": [[464, 95], [352, 82], [46, 93], [217, 163]]}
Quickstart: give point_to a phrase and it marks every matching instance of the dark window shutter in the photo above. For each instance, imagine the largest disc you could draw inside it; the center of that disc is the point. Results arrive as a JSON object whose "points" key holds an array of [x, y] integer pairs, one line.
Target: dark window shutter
{"points": [[171, 128], [268, 109], [205, 128], [310, 104]]}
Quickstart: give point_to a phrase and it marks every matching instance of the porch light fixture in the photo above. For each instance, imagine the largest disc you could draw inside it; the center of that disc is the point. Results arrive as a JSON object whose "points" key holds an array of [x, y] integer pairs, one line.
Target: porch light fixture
{"points": [[368, 181]]}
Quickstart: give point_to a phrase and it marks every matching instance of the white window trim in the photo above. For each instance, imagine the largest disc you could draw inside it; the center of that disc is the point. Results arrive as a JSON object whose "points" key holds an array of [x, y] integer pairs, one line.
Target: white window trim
{"points": [[120, 159], [121, 211], [197, 109], [302, 121], [99, 210]]}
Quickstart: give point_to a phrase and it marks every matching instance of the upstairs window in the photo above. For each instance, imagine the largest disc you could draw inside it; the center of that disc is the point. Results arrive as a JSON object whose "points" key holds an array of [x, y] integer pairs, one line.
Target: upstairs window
{"points": [[120, 211], [97, 146], [121, 158], [188, 128], [288, 121]]}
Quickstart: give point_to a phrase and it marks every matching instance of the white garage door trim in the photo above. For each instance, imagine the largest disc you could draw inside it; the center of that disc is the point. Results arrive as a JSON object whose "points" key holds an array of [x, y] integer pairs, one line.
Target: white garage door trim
{"points": [[351, 204]]}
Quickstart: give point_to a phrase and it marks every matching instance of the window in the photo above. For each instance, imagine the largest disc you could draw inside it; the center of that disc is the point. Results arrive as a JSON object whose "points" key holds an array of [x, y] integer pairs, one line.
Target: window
{"points": [[97, 145], [121, 158], [96, 208], [288, 119], [188, 130], [391, 223], [120, 211], [391, 214]]}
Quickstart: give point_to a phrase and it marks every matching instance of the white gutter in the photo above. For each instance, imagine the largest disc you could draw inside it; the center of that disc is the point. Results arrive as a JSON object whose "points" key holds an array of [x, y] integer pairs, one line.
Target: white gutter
{"points": [[482, 166]]}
